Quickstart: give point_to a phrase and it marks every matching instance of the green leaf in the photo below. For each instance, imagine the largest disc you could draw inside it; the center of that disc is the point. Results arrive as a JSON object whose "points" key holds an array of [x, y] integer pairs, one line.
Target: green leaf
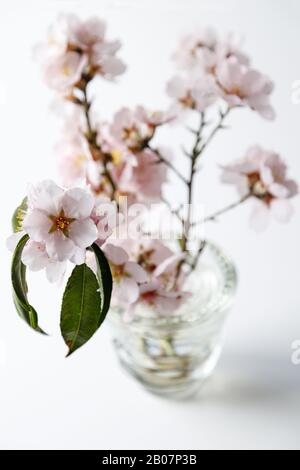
{"points": [[81, 308], [20, 289], [86, 301], [18, 216], [104, 279]]}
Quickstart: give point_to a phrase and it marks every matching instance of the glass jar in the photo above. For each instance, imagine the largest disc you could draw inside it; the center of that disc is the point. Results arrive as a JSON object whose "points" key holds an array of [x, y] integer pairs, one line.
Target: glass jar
{"points": [[172, 355]]}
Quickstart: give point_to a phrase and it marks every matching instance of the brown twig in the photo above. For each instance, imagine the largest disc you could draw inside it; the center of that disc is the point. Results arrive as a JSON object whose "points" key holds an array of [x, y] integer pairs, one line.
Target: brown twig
{"points": [[195, 154], [214, 216], [162, 159], [91, 137]]}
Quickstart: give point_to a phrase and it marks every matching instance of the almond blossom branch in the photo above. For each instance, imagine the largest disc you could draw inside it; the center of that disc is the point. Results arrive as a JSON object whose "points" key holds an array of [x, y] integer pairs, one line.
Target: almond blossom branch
{"points": [[223, 116], [197, 256], [176, 212], [187, 225], [162, 159], [86, 107], [194, 156], [213, 217], [91, 137]]}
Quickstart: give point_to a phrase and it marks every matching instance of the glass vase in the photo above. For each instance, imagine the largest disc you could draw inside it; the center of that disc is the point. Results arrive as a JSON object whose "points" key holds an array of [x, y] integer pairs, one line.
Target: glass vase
{"points": [[172, 355]]}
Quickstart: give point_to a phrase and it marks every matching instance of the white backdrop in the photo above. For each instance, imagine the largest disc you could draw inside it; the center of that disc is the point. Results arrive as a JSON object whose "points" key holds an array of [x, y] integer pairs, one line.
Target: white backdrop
{"points": [[86, 401]]}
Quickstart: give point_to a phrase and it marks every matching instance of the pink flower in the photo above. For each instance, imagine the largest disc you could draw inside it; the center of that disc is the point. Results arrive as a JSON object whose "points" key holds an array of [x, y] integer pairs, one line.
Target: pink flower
{"points": [[13, 240], [128, 130], [36, 258], [134, 128], [242, 86], [104, 61], [76, 164], [74, 157], [61, 220], [192, 92], [107, 218], [197, 50], [76, 48], [157, 259], [89, 38], [152, 119], [127, 275], [229, 48], [152, 253], [163, 301], [166, 271], [58, 35], [263, 175], [156, 285], [142, 179], [64, 71], [203, 51], [87, 34]]}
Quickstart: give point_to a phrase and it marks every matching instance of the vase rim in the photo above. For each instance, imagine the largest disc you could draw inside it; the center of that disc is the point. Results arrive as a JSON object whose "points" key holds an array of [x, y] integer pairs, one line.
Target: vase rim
{"points": [[207, 312]]}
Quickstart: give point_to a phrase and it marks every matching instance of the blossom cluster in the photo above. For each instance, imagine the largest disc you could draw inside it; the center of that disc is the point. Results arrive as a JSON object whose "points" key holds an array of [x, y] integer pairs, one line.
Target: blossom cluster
{"points": [[76, 50], [118, 160], [214, 68], [63, 223], [144, 271], [123, 149], [262, 174]]}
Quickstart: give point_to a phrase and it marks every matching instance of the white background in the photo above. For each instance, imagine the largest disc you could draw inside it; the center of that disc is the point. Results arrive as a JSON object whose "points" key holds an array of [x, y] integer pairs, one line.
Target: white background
{"points": [[47, 401]]}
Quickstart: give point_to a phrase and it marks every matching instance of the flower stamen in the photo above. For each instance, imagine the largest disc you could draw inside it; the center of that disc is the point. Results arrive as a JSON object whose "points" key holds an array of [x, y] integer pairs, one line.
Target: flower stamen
{"points": [[60, 223]]}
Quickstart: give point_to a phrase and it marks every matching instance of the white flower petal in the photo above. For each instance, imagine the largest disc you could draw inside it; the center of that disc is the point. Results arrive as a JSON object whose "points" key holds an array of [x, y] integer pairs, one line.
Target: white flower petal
{"points": [[13, 240], [136, 272], [149, 287], [292, 186], [60, 247], [168, 264], [266, 175], [83, 232], [55, 270], [279, 191], [176, 87], [115, 254], [91, 262], [34, 256], [126, 290], [282, 210], [166, 304], [79, 256], [63, 71], [78, 203], [45, 196], [37, 225], [111, 67], [260, 216]]}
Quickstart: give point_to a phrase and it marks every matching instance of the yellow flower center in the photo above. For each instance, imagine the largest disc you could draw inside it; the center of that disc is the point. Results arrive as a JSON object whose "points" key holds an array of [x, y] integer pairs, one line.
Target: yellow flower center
{"points": [[131, 133], [236, 91], [187, 101], [117, 157], [79, 160], [66, 70], [60, 223], [117, 272]]}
